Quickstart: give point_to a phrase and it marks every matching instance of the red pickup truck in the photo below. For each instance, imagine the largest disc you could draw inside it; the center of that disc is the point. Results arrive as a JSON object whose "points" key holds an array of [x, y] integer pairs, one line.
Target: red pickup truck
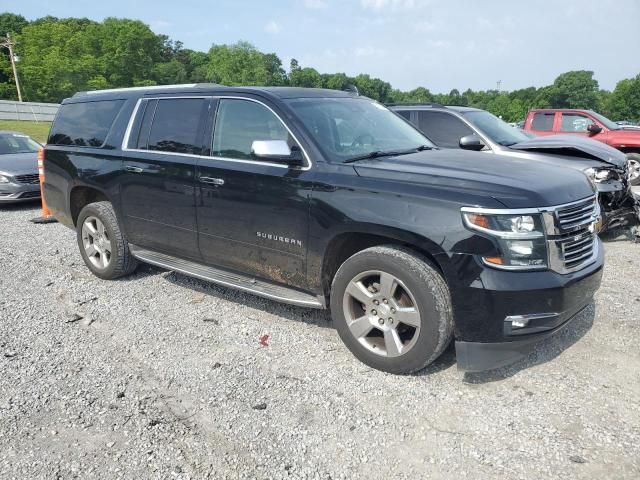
{"points": [[555, 121]]}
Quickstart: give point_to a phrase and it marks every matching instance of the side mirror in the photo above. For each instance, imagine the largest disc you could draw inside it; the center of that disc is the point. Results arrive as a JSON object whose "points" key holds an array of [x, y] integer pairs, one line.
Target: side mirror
{"points": [[593, 128], [277, 151], [471, 142]]}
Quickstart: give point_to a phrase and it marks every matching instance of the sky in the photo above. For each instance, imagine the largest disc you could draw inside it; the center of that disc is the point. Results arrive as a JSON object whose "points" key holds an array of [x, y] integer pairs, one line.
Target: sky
{"points": [[438, 44]]}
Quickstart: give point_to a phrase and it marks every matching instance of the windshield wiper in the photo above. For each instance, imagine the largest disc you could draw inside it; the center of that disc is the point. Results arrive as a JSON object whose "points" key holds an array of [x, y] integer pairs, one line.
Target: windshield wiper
{"points": [[391, 153]]}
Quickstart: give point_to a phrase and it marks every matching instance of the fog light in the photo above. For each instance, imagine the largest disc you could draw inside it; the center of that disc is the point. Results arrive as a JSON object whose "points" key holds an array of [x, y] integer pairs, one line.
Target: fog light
{"points": [[518, 321]]}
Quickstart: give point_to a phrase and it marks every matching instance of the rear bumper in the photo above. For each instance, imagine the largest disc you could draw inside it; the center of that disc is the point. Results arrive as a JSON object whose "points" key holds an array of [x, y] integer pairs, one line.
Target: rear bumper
{"points": [[501, 315]]}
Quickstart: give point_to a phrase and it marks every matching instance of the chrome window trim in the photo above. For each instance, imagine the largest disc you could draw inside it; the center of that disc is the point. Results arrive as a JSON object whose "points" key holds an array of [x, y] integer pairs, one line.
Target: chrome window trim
{"points": [[134, 114]]}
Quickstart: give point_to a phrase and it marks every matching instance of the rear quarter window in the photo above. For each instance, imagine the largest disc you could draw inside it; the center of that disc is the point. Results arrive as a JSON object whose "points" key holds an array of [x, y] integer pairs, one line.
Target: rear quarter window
{"points": [[84, 124]]}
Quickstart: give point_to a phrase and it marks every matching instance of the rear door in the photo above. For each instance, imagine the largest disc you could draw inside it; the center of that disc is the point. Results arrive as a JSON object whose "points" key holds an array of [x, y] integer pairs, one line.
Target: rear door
{"points": [[442, 128], [542, 123], [158, 182], [252, 214]]}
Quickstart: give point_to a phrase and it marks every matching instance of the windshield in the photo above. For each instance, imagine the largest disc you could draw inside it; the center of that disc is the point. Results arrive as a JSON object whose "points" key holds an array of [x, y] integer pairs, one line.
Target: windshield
{"points": [[498, 131], [17, 143], [347, 128], [605, 121]]}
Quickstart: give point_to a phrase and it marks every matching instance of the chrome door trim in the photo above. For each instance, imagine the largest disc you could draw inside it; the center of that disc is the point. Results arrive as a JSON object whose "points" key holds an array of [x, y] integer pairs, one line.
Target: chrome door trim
{"points": [[127, 134]]}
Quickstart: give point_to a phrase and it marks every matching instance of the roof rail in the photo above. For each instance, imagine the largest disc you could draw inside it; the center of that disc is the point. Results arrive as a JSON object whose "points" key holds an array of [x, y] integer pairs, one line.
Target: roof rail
{"points": [[415, 104], [351, 89], [150, 87]]}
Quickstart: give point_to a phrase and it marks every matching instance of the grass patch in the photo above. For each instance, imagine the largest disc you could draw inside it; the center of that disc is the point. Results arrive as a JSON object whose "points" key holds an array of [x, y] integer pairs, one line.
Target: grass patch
{"points": [[37, 130]]}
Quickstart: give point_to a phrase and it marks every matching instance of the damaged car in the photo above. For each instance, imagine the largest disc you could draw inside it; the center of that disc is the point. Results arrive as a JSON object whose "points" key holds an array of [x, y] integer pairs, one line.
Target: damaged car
{"points": [[474, 129]]}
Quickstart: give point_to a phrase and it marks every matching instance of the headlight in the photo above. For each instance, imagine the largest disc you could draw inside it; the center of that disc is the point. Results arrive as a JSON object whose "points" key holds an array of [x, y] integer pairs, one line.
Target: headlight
{"points": [[520, 238], [4, 179], [598, 175]]}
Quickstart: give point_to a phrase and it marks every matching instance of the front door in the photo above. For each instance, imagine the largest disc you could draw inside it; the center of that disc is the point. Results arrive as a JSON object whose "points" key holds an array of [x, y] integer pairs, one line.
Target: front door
{"points": [[578, 124], [252, 215], [158, 180]]}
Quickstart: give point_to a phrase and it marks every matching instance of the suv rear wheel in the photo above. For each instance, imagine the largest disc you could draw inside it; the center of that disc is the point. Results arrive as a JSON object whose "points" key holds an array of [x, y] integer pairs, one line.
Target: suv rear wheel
{"points": [[103, 246], [392, 309]]}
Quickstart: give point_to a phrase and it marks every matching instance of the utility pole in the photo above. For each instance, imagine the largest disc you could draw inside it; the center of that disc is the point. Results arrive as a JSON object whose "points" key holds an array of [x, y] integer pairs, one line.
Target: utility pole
{"points": [[8, 43], [498, 84]]}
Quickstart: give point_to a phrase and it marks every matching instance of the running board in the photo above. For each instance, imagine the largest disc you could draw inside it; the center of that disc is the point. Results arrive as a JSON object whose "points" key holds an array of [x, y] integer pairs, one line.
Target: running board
{"points": [[228, 279]]}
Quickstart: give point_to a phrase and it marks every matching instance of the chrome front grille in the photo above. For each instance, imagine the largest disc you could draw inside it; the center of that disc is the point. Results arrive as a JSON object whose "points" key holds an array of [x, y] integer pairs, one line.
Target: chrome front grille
{"points": [[572, 239], [577, 250], [32, 179], [577, 215]]}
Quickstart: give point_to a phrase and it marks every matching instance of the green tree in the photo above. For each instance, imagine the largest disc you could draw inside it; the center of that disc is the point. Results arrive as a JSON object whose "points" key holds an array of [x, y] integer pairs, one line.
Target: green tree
{"points": [[624, 102], [576, 89], [305, 77], [11, 23], [243, 64], [128, 51], [56, 59]]}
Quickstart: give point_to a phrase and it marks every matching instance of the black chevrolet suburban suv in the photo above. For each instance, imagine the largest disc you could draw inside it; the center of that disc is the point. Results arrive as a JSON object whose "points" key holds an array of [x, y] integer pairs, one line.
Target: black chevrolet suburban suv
{"points": [[326, 199]]}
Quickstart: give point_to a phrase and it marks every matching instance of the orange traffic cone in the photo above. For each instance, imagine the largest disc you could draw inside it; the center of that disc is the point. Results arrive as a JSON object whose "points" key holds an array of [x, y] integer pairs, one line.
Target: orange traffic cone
{"points": [[46, 214]]}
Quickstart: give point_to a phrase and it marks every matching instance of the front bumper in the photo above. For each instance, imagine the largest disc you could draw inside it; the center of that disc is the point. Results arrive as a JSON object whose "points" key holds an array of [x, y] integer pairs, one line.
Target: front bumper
{"points": [[490, 311], [19, 192]]}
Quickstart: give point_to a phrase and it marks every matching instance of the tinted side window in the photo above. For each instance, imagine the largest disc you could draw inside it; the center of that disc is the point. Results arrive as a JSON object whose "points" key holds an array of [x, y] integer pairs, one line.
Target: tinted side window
{"points": [[84, 124], [543, 121], [404, 113], [574, 122], [176, 125], [239, 123], [443, 129]]}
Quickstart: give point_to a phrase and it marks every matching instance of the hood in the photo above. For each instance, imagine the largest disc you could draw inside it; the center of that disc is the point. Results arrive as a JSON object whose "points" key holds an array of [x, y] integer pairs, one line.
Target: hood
{"points": [[19, 163], [514, 182], [572, 145]]}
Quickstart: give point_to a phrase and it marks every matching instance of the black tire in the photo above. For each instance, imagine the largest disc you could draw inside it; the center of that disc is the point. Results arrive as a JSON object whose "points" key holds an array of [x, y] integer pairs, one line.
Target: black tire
{"points": [[432, 300], [634, 158], [121, 261]]}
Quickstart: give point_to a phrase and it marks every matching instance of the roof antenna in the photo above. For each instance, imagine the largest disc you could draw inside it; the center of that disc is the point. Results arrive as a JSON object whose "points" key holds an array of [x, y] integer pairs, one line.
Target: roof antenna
{"points": [[352, 89]]}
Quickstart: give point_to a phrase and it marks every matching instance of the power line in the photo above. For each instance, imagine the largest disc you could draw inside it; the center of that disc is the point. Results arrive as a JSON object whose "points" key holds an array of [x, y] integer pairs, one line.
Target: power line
{"points": [[9, 44]]}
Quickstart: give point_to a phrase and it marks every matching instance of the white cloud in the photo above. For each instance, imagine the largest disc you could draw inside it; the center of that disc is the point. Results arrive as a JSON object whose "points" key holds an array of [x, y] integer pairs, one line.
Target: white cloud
{"points": [[272, 27], [439, 43], [383, 4], [315, 4], [159, 24], [368, 52], [424, 26]]}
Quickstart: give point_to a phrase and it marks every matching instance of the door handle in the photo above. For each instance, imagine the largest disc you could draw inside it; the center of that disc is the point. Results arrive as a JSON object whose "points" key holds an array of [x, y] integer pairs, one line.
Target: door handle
{"points": [[131, 169], [212, 181]]}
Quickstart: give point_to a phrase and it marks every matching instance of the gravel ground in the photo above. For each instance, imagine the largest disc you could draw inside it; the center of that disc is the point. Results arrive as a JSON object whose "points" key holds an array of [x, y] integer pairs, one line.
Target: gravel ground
{"points": [[165, 377]]}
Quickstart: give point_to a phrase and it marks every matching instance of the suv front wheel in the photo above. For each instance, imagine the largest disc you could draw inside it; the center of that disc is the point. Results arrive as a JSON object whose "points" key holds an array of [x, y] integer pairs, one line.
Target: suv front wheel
{"points": [[392, 309], [103, 246]]}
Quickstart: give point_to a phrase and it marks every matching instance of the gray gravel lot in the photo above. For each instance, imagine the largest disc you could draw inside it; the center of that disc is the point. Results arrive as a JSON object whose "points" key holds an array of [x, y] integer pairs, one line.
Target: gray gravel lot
{"points": [[164, 377]]}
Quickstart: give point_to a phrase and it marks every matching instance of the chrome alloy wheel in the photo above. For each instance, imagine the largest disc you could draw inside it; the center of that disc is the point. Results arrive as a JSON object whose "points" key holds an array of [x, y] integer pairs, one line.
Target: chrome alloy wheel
{"points": [[96, 242], [633, 170], [381, 313]]}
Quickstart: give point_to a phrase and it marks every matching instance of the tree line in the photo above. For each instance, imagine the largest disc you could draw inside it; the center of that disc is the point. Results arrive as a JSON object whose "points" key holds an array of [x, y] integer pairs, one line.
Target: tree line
{"points": [[58, 57]]}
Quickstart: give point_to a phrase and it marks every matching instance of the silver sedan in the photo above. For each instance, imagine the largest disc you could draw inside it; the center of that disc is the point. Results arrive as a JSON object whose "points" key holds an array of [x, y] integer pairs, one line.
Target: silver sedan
{"points": [[19, 179]]}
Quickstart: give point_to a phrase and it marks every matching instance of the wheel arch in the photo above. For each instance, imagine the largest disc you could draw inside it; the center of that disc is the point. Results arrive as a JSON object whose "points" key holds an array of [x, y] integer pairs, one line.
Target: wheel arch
{"points": [[344, 244], [82, 195]]}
